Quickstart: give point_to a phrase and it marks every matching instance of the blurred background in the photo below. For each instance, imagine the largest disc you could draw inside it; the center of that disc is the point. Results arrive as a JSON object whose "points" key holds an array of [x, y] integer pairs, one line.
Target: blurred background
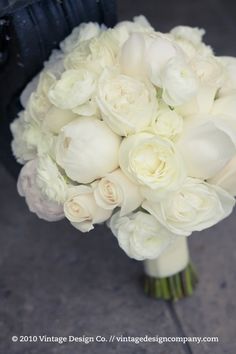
{"points": [[57, 282]]}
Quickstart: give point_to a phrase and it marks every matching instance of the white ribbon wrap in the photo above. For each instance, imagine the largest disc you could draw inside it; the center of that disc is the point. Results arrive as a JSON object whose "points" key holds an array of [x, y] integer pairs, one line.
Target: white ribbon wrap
{"points": [[172, 261]]}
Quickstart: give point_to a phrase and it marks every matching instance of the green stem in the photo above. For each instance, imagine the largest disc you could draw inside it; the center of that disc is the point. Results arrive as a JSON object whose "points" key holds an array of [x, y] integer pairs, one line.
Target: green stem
{"points": [[172, 288]]}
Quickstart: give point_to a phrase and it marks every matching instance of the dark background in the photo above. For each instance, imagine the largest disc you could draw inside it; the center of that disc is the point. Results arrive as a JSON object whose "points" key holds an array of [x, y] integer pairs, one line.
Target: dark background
{"points": [[55, 281]]}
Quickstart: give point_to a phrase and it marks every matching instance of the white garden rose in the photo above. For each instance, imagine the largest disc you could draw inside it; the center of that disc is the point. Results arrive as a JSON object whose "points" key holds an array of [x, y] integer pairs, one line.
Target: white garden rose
{"points": [[37, 202], [140, 235], [28, 90], [167, 123], [87, 149], [226, 178], [116, 190], [38, 139], [55, 64], [127, 105], [57, 118], [152, 162], [190, 40], [229, 85], [50, 180], [53, 68], [81, 209], [211, 75], [21, 149], [83, 32], [37, 107], [38, 103], [29, 139], [209, 70], [206, 145], [74, 88], [95, 54], [178, 81], [194, 207]]}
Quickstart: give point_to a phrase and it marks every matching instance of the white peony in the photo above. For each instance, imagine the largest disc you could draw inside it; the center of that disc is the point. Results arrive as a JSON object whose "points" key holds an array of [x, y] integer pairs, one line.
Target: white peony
{"points": [[74, 88], [124, 29], [81, 209], [37, 202], [57, 118], [194, 207], [127, 105], [87, 149], [140, 235], [116, 190], [206, 145], [50, 180], [156, 57], [152, 162], [225, 106], [226, 178], [145, 55]]}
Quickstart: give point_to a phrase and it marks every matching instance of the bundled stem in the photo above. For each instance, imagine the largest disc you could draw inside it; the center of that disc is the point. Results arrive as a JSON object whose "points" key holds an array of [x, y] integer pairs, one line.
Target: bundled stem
{"points": [[174, 287]]}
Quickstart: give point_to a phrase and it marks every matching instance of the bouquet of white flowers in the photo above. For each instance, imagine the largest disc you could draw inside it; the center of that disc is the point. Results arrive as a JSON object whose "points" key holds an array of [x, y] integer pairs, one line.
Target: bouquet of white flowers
{"points": [[136, 128]]}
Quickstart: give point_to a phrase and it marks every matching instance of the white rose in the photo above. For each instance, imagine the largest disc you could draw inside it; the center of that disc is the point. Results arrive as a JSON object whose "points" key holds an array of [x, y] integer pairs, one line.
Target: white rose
{"points": [[57, 118], [127, 105], [95, 54], [116, 190], [178, 81], [205, 145], [225, 178], [140, 235], [50, 180], [194, 207], [87, 149], [81, 209], [22, 151], [83, 32], [74, 88], [37, 202], [152, 162], [167, 123]]}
